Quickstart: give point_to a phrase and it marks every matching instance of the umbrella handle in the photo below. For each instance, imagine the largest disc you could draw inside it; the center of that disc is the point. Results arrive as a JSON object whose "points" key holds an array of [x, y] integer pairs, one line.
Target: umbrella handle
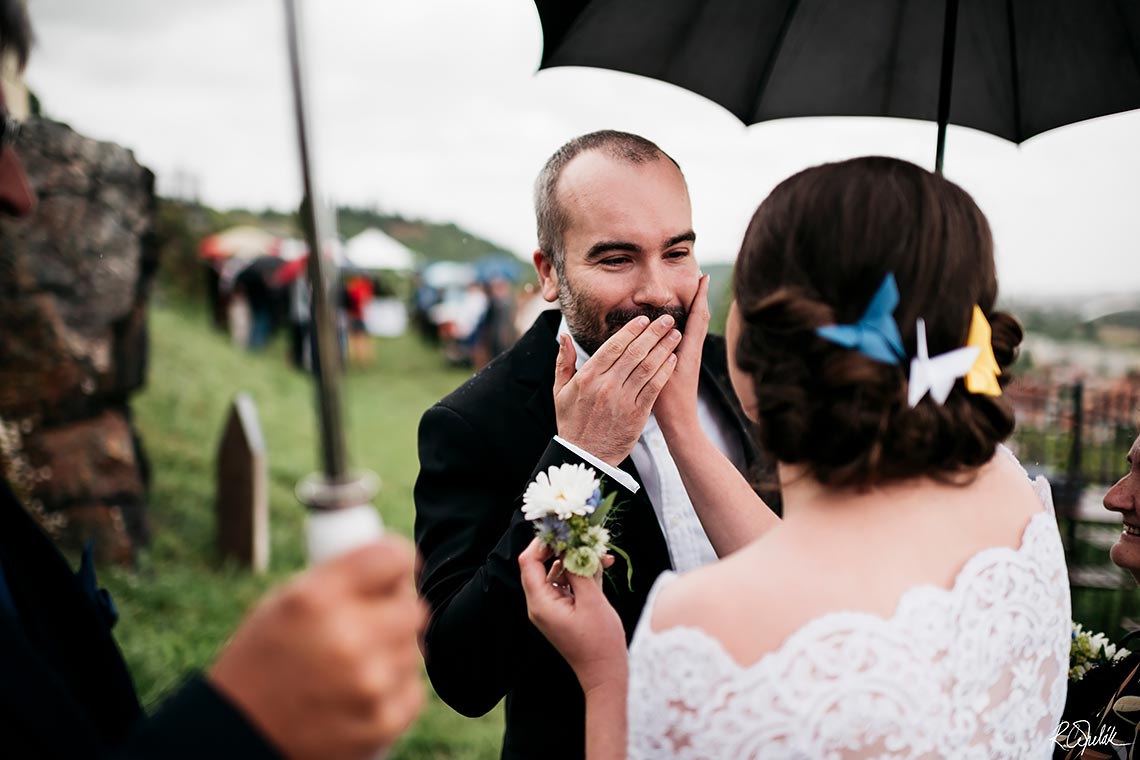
{"points": [[341, 515], [330, 534], [341, 519]]}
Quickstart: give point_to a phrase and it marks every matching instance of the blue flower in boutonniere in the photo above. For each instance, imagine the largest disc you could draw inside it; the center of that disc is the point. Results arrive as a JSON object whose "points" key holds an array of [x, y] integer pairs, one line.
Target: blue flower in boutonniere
{"points": [[566, 507]]}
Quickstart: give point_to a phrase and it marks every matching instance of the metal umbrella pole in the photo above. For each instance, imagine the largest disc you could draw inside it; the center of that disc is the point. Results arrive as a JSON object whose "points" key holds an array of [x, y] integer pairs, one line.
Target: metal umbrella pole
{"points": [[341, 516], [945, 84]]}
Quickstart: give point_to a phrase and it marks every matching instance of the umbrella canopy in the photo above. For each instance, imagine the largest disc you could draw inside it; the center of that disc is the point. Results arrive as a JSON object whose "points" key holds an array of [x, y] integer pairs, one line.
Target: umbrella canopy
{"points": [[245, 242], [296, 253], [1014, 68], [499, 266], [446, 274], [374, 249]]}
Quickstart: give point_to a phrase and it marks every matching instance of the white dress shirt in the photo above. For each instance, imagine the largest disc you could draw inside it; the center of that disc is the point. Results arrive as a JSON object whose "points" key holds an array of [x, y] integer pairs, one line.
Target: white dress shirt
{"points": [[688, 544]]}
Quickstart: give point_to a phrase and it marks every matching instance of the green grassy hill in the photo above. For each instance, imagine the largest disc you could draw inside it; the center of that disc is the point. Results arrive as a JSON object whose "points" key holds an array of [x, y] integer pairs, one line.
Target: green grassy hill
{"points": [[181, 604]]}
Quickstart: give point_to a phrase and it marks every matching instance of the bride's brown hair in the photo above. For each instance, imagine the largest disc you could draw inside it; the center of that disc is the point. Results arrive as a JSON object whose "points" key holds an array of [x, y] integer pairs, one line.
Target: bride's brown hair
{"points": [[815, 252]]}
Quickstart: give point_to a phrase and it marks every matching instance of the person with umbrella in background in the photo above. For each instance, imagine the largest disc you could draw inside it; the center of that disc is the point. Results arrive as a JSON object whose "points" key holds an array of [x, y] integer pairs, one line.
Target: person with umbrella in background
{"points": [[358, 291], [290, 682], [267, 300]]}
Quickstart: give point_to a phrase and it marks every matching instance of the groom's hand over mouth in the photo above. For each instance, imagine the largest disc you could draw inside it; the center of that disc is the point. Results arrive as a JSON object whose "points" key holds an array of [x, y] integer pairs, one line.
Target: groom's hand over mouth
{"points": [[602, 408]]}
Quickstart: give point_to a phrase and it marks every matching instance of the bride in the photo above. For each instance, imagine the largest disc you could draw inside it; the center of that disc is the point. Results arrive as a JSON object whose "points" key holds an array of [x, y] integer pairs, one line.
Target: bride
{"points": [[913, 602]]}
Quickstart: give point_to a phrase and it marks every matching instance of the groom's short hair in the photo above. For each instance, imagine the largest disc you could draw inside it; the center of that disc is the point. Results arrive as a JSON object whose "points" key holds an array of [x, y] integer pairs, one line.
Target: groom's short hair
{"points": [[550, 217]]}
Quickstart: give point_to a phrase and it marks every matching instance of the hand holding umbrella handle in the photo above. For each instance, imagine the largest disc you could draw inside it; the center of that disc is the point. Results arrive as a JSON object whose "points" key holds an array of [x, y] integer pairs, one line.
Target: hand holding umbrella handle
{"points": [[341, 518]]}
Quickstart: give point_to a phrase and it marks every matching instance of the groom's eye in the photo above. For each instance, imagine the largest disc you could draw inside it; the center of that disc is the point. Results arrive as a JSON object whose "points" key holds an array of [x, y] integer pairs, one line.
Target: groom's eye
{"points": [[615, 261], [677, 254]]}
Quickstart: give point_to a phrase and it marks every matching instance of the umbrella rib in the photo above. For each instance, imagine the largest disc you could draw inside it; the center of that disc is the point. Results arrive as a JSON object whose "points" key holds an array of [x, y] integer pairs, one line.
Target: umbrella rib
{"points": [[1015, 74], [762, 85]]}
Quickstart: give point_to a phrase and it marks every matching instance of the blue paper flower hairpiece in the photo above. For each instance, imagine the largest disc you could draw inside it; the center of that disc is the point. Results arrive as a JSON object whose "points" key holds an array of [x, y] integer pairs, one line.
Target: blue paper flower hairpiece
{"points": [[875, 334]]}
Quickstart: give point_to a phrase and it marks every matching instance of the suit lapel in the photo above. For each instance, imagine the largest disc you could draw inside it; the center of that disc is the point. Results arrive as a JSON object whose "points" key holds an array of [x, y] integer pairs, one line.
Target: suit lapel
{"points": [[638, 533], [534, 358]]}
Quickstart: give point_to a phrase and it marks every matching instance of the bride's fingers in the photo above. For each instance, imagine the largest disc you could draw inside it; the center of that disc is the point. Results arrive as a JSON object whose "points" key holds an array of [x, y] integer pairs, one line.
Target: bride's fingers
{"points": [[536, 551], [607, 563], [557, 578], [532, 572], [557, 570], [587, 590]]}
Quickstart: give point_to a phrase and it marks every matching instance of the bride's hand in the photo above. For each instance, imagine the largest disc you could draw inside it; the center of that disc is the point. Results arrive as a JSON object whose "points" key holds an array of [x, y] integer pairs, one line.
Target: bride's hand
{"points": [[676, 405], [575, 616]]}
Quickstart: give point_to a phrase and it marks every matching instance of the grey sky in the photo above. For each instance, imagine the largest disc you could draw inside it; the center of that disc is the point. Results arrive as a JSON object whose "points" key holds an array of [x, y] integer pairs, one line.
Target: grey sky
{"points": [[432, 108]]}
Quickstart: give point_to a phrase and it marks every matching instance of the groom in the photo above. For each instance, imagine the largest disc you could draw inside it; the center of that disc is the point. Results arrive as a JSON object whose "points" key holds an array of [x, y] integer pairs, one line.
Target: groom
{"points": [[615, 243]]}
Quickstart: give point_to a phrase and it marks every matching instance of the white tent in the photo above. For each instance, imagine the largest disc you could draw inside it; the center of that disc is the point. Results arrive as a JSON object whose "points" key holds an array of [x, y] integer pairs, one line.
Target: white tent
{"points": [[373, 249]]}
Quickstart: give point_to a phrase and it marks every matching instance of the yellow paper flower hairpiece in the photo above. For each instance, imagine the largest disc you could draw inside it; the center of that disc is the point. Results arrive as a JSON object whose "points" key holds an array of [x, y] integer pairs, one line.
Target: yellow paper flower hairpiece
{"points": [[982, 377]]}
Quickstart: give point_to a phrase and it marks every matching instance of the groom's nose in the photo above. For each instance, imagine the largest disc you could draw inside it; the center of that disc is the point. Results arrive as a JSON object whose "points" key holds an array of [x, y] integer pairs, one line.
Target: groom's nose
{"points": [[654, 288], [1125, 495]]}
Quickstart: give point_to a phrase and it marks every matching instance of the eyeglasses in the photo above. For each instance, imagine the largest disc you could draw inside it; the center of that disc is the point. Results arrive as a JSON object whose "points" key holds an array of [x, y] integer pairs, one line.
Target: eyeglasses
{"points": [[9, 129]]}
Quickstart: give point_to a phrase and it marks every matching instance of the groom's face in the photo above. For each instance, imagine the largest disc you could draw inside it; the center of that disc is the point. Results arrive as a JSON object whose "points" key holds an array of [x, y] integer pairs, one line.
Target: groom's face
{"points": [[628, 246], [1124, 497]]}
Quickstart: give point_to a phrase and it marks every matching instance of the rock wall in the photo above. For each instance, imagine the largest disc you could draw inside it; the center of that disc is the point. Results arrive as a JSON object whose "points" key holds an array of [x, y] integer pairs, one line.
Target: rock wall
{"points": [[74, 283]]}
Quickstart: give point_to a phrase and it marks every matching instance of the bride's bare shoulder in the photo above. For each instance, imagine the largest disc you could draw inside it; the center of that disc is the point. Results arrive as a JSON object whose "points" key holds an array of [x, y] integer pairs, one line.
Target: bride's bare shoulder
{"points": [[735, 590]]}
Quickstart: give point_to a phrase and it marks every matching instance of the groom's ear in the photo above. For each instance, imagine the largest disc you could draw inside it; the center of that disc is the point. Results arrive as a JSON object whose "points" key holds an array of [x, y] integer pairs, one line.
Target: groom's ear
{"points": [[547, 275]]}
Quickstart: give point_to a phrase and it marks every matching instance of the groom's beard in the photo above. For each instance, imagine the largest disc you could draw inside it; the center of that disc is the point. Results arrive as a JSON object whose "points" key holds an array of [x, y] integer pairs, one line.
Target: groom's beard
{"points": [[590, 328]]}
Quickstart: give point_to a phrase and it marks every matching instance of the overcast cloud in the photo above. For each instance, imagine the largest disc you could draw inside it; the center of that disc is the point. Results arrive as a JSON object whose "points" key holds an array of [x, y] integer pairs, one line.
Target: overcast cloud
{"points": [[433, 109]]}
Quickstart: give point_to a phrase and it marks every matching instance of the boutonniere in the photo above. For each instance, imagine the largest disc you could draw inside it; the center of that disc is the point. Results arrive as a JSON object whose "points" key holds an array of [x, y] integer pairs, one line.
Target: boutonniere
{"points": [[1090, 650], [569, 514]]}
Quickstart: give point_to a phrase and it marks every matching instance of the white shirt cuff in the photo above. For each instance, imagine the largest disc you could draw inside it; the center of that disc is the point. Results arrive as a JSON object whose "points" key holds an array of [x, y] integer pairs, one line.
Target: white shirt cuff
{"points": [[620, 476]]}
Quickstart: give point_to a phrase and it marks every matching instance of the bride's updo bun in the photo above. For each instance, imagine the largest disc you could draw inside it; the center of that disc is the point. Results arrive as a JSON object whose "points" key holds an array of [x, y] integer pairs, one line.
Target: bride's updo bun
{"points": [[815, 252]]}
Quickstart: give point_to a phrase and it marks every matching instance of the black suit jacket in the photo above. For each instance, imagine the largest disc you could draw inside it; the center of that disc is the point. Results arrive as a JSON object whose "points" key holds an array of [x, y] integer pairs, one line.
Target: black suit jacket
{"points": [[64, 689], [479, 447]]}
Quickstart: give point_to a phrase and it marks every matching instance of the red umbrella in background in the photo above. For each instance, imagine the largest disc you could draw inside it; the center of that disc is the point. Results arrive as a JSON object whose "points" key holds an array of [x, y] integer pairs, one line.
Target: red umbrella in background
{"points": [[296, 255], [244, 242], [290, 271]]}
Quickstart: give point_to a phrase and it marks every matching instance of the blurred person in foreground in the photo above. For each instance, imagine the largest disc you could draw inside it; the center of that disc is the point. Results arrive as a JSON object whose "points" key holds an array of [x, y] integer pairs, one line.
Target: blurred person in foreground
{"points": [[913, 602], [327, 666], [1103, 705]]}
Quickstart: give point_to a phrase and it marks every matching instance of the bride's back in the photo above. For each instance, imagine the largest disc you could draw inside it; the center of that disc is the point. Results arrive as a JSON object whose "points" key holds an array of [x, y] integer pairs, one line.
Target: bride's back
{"points": [[913, 603], [881, 651], [851, 553]]}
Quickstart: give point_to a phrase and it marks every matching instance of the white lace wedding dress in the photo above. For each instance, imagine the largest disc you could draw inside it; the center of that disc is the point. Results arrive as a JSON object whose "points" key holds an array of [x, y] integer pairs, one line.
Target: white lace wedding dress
{"points": [[978, 671]]}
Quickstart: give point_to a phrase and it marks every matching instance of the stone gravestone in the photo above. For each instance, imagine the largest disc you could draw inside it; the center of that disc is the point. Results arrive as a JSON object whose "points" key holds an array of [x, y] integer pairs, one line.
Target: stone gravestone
{"points": [[75, 278], [242, 505]]}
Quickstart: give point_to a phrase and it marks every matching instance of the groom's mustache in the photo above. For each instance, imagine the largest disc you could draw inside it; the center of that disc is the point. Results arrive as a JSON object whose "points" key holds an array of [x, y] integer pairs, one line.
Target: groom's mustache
{"points": [[619, 318]]}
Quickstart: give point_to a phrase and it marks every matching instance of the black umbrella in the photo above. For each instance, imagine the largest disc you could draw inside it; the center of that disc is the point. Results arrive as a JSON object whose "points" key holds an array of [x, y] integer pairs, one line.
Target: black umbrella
{"points": [[1013, 68]]}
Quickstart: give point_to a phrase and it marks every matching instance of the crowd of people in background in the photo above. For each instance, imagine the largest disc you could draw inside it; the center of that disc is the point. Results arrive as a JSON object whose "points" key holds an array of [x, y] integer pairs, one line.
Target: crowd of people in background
{"points": [[472, 316], [475, 322]]}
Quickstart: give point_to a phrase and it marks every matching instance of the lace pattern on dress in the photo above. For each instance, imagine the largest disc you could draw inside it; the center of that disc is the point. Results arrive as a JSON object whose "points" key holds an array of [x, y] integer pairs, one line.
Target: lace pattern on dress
{"points": [[978, 670]]}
